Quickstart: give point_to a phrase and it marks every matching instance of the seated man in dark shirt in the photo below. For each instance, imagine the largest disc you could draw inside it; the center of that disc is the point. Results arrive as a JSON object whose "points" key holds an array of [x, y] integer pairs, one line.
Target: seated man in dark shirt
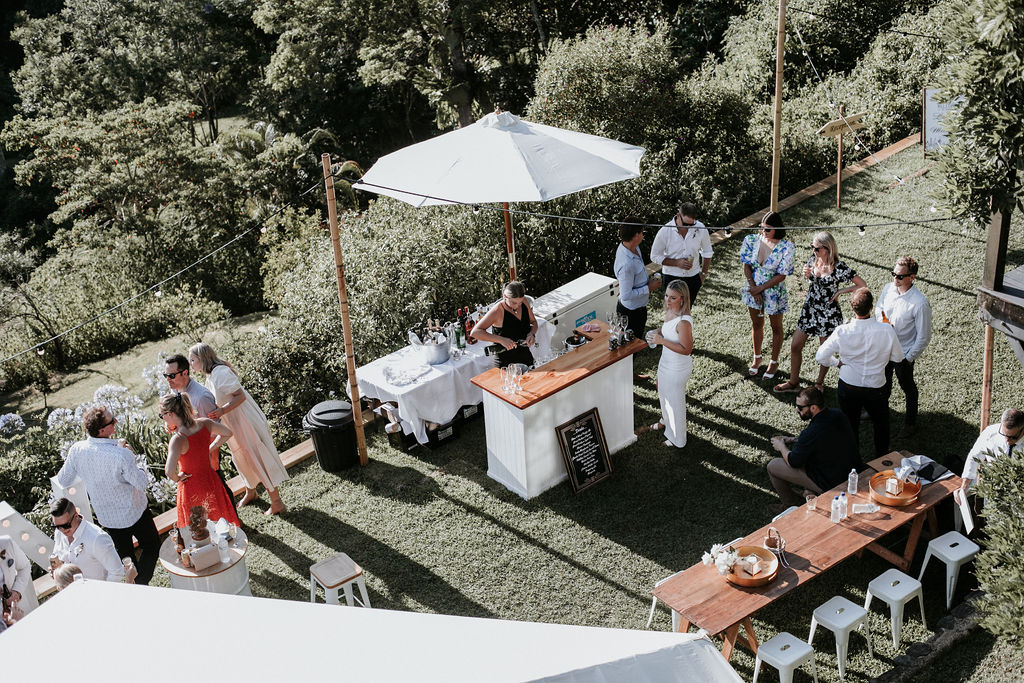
{"points": [[817, 460]]}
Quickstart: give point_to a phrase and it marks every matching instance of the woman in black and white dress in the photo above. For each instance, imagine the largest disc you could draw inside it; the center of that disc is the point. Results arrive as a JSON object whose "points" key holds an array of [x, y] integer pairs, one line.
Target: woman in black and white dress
{"points": [[821, 313]]}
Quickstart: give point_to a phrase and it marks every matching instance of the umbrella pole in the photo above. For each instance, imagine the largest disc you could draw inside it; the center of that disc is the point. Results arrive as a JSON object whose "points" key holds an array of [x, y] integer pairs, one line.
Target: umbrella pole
{"points": [[509, 243], [346, 326]]}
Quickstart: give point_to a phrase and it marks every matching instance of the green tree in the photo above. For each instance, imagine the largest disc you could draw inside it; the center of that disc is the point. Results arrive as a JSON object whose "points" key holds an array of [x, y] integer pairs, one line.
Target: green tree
{"points": [[93, 56], [985, 154], [999, 571]]}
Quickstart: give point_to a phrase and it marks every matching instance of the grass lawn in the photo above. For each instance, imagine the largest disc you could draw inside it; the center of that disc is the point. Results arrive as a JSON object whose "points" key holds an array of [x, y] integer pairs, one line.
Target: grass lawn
{"points": [[435, 534]]}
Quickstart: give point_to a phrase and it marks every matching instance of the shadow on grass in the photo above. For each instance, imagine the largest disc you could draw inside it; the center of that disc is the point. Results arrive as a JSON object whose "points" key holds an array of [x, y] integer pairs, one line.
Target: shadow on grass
{"points": [[402, 576]]}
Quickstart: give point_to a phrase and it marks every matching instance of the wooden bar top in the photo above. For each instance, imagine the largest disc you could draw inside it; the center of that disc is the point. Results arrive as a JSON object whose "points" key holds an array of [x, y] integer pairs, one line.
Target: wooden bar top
{"points": [[813, 545], [561, 372]]}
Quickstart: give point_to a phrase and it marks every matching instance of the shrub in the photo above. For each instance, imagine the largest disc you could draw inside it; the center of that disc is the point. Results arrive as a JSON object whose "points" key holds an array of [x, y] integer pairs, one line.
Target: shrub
{"points": [[999, 570]]}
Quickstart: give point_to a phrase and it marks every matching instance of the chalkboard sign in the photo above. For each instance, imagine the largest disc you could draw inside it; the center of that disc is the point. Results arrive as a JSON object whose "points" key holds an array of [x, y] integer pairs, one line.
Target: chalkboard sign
{"points": [[584, 450]]}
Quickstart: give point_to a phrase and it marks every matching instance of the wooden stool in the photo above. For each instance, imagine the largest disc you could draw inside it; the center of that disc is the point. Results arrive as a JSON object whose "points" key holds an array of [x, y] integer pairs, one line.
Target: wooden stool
{"points": [[334, 572]]}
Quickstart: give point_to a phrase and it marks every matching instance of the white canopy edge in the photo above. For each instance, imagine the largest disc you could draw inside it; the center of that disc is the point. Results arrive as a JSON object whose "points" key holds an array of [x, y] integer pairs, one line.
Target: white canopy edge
{"points": [[96, 631]]}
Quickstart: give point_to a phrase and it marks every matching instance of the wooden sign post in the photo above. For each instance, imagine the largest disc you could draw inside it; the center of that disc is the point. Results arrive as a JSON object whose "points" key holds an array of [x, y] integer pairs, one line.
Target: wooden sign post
{"points": [[835, 129]]}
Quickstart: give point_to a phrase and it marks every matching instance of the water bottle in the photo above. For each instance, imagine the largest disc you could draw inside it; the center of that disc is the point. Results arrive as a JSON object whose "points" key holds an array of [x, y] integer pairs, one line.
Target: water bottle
{"points": [[852, 482], [843, 505], [835, 517]]}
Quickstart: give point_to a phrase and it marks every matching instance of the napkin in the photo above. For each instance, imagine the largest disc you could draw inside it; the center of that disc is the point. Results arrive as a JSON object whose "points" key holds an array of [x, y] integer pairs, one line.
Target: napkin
{"points": [[926, 469], [403, 376], [591, 327]]}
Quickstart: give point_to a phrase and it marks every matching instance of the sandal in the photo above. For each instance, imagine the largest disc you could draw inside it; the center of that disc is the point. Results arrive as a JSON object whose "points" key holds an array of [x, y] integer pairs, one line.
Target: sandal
{"points": [[768, 372], [788, 387], [657, 426], [756, 367]]}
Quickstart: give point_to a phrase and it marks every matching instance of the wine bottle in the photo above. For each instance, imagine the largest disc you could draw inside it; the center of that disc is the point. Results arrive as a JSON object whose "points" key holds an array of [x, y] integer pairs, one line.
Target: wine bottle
{"points": [[470, 323]]}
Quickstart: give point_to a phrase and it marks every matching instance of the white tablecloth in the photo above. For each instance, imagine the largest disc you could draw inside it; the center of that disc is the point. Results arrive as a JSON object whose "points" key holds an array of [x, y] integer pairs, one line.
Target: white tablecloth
{"points": [[437, 394]]}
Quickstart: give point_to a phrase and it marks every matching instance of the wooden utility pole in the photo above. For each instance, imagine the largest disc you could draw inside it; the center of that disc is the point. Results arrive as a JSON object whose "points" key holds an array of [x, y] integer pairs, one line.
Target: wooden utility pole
{"points": [[510, 244], [839, 163], [992, 280], [780, 45], [346, 326]]}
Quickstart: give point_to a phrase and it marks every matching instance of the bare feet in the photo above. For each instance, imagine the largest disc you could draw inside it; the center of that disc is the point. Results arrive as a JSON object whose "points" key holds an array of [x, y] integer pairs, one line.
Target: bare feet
{"points": [[250, 496], [276, 508]]}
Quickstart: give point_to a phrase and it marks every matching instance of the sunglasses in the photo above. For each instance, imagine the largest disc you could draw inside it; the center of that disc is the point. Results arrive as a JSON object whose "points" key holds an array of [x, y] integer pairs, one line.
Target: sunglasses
{"points": [[113, 420], [900, 277], [801, 407], [172, 375], [1014, 438], [817, 248], [66, 525]]}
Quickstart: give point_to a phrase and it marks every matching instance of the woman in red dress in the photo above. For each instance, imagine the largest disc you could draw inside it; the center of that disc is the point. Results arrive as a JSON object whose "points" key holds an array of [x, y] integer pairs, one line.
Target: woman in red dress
{"points": [[191, 463]]}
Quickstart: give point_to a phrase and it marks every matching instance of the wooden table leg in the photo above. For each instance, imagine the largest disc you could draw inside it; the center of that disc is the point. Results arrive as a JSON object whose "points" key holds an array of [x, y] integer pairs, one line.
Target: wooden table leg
{"points": [[901, 561], [933, 523], [684, 624], [730, 635], [751, 640]]}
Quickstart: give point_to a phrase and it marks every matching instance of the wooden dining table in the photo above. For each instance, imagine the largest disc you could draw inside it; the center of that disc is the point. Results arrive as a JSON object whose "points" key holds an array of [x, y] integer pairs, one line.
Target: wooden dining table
{"points": [[814, 544]]}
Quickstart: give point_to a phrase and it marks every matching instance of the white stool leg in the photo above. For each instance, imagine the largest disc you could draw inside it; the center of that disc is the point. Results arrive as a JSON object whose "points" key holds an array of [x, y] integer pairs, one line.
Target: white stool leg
{"points": [[867, 633], [331, 596], [786, 674], [920, 602], [676, 620], [896, 615], [650, 617], [312, 588], [348, 594], [867, 601], [362, 591], [927, 556], [757, 668], [958, 519], [814, 668], [842, 645], [814, 625], [952, 570]]}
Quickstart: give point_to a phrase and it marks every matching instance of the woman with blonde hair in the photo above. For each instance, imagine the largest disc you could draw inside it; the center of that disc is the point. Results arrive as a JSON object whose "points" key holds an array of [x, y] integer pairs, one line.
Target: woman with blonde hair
{"points": [[252, 448], [821, 313], [192, 462], [676, 365]]}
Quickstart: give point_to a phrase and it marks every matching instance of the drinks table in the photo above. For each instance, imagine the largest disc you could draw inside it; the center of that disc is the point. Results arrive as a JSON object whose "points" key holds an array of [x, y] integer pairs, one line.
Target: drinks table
{"points": [[522, 447], [814, 545], [231, 578]]}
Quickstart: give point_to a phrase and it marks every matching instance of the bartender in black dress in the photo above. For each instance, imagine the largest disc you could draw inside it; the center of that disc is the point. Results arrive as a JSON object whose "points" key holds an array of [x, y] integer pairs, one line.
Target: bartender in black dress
{"points": [[515, 326]]}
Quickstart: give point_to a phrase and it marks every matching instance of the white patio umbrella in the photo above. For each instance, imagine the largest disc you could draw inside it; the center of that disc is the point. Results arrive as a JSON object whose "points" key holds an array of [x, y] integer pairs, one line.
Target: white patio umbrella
{"points": [[501, 158]]}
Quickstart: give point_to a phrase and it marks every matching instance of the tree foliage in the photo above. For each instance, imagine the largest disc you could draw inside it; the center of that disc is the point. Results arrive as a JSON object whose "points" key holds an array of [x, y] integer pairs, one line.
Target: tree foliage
{"points": [[985, 155], [999, 572]]}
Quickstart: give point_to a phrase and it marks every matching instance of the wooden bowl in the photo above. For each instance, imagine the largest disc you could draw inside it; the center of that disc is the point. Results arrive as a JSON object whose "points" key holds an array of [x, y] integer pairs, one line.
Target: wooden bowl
{"points": [[741, 577], [878, 493]]}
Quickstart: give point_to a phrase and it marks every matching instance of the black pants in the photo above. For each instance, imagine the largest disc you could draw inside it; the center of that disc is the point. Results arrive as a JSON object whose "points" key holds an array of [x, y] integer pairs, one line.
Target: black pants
{"points": [[149, 543], [636, 318], [693, 283], [876, 402], [904, 371]]}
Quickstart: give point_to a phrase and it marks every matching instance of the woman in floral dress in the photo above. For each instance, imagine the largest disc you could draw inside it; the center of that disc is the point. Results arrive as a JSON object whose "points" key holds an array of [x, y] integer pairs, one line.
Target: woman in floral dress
{"points": [[767, 259], [821, 313]]}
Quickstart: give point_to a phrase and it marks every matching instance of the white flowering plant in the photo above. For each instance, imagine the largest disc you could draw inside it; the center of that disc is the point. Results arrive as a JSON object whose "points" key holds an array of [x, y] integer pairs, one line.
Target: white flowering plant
{"points": [[11, 424], [722, 557]]}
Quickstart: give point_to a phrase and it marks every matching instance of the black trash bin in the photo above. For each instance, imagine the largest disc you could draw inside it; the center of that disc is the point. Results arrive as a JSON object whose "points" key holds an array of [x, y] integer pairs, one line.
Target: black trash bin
{"points": [[331, 426]]}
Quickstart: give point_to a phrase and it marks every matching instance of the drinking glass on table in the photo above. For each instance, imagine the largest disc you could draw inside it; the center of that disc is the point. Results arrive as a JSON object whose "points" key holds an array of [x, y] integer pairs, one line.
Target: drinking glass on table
{"points": [[812, 502]]}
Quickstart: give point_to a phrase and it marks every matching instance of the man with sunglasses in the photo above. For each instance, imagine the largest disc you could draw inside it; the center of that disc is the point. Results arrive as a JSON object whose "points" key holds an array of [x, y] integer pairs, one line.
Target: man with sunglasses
{"points": [[994, 441], [817, 460], [176, 372], [84, 544], [683, 249], [904, 307], [116, 485]]}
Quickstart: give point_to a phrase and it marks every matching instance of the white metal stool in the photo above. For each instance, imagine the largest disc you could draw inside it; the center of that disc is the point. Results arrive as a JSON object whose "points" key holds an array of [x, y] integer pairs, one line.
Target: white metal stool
{"points": [[841, 616], [337, 572], [785, 652], [955, 550], [896, 589]]}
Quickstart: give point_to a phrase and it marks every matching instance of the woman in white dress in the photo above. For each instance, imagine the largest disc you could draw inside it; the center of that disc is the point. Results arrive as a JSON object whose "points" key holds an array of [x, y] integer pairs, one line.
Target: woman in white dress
{"points": [[252, 448], [675, 366]]}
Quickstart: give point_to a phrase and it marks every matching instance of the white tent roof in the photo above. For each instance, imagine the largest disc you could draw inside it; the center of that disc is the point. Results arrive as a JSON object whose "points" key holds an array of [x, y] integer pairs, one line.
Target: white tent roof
{"points": [[96, 631]]}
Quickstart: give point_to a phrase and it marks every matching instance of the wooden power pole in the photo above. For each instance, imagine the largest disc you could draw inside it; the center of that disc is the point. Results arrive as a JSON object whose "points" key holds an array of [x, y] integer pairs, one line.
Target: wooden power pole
{"points": [[780, 45], [346, 326]]}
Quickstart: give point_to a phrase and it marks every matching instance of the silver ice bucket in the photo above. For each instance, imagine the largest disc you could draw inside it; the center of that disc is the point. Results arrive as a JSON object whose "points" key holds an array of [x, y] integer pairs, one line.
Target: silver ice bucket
{"points": [[434, 354]]}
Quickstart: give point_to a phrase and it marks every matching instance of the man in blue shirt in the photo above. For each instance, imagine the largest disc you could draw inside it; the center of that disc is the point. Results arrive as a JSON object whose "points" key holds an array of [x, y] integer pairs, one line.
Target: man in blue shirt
{"points": [[635, 286], [820, 458]]}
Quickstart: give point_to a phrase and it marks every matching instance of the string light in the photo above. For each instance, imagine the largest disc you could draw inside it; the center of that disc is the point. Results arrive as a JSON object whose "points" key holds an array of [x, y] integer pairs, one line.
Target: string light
{"points": [[861, 230], [158, 293], [476, 209], [598, 227], [40, 351]]}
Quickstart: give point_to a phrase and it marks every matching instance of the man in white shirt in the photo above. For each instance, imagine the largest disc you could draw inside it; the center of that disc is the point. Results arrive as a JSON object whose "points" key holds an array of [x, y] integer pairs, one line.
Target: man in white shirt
{"points": [[16, 578], [84, 544], [683, 249], [861, 349], [903, 306], [994, 441], [117, 489]]}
